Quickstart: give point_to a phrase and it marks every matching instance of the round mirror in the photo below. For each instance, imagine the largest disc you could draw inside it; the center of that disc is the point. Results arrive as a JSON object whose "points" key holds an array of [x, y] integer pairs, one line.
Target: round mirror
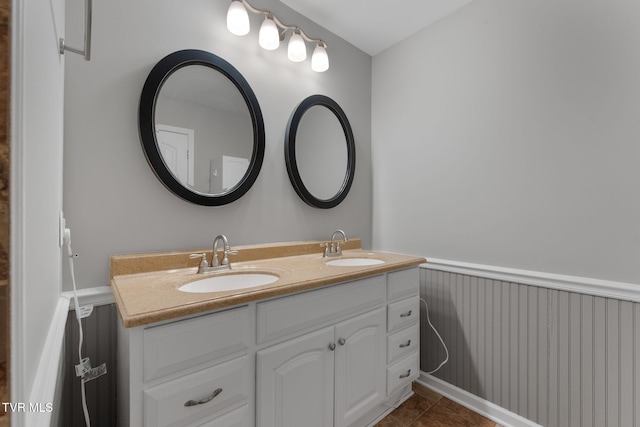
{"points": [[201, 128], [320, 152]]}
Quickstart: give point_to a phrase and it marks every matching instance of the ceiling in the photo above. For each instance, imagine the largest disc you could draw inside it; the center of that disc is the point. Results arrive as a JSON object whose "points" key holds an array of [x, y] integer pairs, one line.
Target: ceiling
{"points": [[374, 25]]}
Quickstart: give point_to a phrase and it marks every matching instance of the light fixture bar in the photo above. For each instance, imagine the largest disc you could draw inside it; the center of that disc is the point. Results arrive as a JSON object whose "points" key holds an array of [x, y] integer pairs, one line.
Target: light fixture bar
{"points": [[293, 28], [279, 23]]}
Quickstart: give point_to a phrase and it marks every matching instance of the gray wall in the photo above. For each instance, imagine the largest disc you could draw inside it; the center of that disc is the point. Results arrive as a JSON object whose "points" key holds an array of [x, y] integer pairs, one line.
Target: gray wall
{"points": [[113, 201], [507, 134]]}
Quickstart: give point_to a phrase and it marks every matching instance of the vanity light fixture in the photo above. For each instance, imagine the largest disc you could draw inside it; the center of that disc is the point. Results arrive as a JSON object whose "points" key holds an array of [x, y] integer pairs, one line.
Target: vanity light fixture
{"points": [[320, 59], [270, 36], [297, 50], [237, 19]]}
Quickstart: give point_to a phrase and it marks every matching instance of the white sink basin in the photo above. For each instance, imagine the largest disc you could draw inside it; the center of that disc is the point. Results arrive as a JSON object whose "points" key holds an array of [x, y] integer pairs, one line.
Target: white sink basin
{"points": [[229, 282], [354, 262]]}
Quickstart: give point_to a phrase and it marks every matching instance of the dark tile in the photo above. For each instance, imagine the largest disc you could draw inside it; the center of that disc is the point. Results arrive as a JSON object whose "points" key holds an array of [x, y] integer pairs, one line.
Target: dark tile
{"points": [[434, 419], [448, 413], [389, 421], [411, 409], [428, 408], [466, 413], [425, 392]]}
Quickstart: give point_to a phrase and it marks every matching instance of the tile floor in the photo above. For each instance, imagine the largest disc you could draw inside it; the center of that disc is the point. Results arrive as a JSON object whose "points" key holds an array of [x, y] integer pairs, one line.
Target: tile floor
{"points": [[428, 408]]}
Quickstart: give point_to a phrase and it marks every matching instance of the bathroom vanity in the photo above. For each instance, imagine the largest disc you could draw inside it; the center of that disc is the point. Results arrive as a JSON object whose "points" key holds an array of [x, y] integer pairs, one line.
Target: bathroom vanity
{"points": [[324, 345]]}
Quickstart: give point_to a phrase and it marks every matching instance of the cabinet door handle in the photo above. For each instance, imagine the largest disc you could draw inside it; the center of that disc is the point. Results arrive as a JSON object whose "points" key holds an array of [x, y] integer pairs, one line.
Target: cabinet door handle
{"points": [[342, 341], [205, 399], [405, 375], [405, 345], [332, 346], [407, 314]]}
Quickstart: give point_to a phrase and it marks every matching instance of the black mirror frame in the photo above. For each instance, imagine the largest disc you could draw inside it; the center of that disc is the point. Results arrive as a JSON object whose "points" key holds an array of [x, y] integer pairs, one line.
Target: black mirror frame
{"points": [[290, 152], [146, 115]]}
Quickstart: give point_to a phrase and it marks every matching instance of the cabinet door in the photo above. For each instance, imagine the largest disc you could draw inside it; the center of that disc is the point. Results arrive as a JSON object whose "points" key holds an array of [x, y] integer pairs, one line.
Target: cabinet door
{"points": [[295, 382], [360, 365]]}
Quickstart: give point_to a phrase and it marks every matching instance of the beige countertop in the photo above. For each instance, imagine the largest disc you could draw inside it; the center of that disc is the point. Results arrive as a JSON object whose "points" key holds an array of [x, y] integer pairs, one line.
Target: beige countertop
{"points": [[152, 296]]}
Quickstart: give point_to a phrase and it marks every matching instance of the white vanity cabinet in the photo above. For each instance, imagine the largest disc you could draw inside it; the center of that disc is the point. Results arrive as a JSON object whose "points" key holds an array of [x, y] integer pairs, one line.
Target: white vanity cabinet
{"points": [[347, 373], [329, 377], [195, 371], [334, 356], [403, 322]]}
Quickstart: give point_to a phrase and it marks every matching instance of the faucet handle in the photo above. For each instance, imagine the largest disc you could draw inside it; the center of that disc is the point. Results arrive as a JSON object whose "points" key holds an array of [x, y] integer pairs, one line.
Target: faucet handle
{"points": [[202, 255], [203, 261], [225, 254], [327, 248]]}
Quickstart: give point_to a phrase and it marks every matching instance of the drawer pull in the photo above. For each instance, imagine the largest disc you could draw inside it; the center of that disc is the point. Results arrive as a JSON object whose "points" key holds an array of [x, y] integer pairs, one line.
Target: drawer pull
{"points": [[405, 375], [204, 400], [407, 314], [405, 345]]}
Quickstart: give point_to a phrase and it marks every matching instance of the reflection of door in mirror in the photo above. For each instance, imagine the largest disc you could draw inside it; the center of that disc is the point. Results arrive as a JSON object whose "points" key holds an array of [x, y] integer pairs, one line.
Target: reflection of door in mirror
{"points": [[226, 173], [176, 146], [206, 101]]}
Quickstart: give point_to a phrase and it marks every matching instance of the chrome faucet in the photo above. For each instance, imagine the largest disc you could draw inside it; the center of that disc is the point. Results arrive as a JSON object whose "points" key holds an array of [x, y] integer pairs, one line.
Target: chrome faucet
{"points": [[333, 249], [216, 265], [225, 251]]}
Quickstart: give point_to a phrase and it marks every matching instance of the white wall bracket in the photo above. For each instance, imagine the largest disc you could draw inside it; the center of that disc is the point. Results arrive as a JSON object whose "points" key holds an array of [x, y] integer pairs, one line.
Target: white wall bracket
{"points": [[86, 50]]}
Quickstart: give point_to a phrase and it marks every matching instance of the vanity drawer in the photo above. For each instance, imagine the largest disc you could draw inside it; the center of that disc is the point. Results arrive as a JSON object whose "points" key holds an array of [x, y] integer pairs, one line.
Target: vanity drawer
{"points": [[219, 389], [237, 418], [188, 343], [402, 373], [403, 313], [287, 316], [402, 343], [403, 283]]}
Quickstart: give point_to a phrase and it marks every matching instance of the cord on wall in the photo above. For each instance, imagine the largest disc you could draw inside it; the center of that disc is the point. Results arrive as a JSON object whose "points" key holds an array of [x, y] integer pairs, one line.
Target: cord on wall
{"points": [[446, 359], [83, 369]]}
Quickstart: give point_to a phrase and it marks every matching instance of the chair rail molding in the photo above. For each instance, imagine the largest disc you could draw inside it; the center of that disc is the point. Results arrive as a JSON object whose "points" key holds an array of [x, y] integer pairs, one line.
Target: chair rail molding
{"points": [[100, 295], [583, 285]]}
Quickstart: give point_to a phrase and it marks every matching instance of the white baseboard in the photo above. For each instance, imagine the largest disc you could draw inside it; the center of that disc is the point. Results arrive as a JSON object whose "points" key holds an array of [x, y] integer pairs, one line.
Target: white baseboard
{"points": [[475, 403], [582, 285], [46, 385]]}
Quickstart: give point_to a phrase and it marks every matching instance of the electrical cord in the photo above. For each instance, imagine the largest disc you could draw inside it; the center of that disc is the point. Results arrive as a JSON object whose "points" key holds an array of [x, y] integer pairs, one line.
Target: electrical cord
{"points": [[446, 359], [75, 300]]}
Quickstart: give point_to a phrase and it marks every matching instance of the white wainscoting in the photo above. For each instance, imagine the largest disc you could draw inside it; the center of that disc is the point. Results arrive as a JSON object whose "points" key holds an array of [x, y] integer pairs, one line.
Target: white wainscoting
{"points": [[556, 350], [100, 295], [47, 386]]}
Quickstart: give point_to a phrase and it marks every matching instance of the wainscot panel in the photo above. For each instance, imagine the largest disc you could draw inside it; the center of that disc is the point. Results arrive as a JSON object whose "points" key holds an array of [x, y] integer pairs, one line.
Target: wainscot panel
{"points": [[556, 357], [100, 337]]}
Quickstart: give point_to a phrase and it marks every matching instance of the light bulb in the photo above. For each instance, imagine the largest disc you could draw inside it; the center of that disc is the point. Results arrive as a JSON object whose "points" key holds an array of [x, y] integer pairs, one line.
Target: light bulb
{"points": [[297, 50], [237, 18], [269, 37], [319, 59]]}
